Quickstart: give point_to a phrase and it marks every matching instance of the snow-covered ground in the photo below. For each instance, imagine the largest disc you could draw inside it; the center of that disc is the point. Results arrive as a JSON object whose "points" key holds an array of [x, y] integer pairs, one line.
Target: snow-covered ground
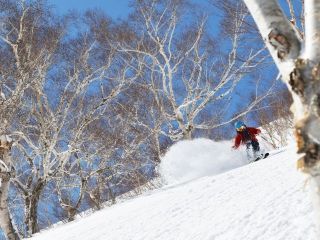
{"points": [[211, 194]]}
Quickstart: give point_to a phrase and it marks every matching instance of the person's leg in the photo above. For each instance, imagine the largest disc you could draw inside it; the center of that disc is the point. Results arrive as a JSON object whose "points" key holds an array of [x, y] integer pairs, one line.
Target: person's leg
{"points": [[255, 148], [249, 152]]}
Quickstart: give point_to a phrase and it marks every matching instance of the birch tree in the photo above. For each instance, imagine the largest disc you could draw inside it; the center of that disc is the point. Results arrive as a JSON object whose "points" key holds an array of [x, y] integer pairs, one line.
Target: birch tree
{"points": [[29, 42], [6, 175], [53, 134], [180, 70], [49, 112], [297, 58]]}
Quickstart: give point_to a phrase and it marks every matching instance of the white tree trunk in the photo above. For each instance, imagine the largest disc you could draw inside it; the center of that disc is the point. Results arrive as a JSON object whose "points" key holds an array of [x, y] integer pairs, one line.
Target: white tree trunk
{"points": [[282, 40], [5, 218], [310, 126], [312, 42], [301, 71]]}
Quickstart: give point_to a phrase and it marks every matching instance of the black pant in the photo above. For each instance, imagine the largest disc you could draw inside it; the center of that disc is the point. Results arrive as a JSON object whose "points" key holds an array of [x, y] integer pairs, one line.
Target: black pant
{"points": [[254, 144]]}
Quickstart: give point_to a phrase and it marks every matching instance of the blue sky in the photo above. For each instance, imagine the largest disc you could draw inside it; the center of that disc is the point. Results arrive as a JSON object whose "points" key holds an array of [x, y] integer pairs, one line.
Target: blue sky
{"points": [[114, 8], [120, 9]]}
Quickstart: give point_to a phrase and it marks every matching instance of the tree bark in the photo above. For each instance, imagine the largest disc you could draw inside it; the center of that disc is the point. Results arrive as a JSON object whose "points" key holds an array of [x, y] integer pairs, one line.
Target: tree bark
{"points": [[312, 43], [308, 127], [110, 193], [72, 212], [32, 202], [301, 71], [5, 218]]}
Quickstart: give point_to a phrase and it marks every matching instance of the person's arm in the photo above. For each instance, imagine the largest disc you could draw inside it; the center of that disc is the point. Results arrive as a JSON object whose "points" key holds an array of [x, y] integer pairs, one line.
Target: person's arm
{"points": [[237, 141], [254, 131]]}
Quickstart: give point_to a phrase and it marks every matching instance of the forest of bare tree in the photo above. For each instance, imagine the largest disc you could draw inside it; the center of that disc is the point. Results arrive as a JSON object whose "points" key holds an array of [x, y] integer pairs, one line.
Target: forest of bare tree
{"points": [[89, 104]]}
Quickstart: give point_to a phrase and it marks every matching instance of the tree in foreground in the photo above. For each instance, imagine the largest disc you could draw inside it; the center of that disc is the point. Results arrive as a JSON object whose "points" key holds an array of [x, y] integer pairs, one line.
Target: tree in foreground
{"points": [[300, 70]]}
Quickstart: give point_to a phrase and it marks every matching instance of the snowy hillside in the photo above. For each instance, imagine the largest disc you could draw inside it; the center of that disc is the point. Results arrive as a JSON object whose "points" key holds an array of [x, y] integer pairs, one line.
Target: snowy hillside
{"points": [[264, 200]]}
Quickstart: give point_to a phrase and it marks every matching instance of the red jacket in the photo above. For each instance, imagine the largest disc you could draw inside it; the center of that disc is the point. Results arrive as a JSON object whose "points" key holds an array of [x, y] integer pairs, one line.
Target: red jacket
{"points": [[240, 138]]}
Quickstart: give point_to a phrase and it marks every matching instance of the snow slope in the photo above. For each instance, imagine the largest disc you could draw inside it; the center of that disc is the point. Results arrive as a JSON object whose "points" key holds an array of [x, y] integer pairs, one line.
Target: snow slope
{"points": [[263, 200]]}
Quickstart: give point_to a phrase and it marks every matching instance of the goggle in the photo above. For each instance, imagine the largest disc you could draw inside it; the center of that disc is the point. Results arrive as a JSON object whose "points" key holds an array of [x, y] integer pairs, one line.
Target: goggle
{"points": [[241, 128]]}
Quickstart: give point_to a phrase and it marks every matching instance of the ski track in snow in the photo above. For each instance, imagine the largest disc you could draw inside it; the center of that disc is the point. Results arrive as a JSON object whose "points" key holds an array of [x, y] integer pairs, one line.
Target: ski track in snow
{"points": [[265, 200]]}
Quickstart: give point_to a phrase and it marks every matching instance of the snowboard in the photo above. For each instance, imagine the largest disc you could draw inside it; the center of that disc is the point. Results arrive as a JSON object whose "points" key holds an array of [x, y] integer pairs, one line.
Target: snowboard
{"points": [[262, 156]]}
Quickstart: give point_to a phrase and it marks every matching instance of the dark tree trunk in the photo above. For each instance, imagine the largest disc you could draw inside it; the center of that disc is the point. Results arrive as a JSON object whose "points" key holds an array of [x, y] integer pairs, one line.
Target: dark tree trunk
{"points": [[111, 194], [32, 202]]}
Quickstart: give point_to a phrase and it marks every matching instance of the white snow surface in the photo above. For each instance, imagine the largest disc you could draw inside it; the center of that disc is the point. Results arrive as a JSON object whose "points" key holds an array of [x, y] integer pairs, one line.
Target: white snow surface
{"points": [[268, 199]]}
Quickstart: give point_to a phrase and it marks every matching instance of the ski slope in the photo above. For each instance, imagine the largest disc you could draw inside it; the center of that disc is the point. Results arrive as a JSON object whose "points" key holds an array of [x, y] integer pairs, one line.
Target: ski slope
{"points": [[263, 200]]}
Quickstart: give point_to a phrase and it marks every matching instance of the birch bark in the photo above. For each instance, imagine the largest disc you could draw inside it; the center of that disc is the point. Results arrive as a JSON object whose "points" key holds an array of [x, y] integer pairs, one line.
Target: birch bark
{"points": [[301, 71], [5, 218]]}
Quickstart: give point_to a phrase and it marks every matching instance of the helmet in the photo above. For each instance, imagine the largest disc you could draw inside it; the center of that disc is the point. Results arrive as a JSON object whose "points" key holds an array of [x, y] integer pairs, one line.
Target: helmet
{"points": [[239, 124]]}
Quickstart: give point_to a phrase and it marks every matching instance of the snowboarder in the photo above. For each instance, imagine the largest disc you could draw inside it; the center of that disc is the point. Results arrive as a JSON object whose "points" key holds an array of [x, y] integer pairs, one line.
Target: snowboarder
{"points": [[247, 135]]}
